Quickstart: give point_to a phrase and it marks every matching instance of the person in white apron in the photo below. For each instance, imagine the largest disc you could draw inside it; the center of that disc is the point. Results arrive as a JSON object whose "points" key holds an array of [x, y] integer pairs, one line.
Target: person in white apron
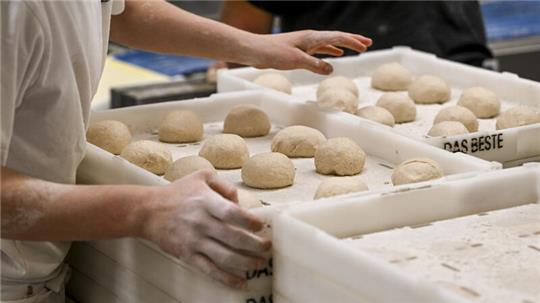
{"points": [[52, 57]]}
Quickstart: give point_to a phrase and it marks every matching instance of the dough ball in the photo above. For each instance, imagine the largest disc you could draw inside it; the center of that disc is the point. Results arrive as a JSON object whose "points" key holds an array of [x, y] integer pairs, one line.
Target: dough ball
{"points": [[274, 81], [339, 186], [460, 114], [391, 77], [187, 165], [150, 155], [399, 105], [518, 116], [339, 156], [340, 99], [181, 126], [377, 114], [247, 120], [248, 200], [111, 135], [268, 170], [225, 151], [429, 89], [297, 141], [337, 82], [416, 170], [481, 101], [448, 128]]}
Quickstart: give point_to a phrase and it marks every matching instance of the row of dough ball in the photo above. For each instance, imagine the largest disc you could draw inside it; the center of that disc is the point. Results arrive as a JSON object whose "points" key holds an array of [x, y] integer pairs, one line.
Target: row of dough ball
{"points": [[338, 156], [342, 93]]}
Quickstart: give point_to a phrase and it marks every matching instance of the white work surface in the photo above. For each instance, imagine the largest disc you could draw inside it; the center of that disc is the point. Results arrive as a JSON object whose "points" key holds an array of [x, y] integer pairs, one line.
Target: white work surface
{"points": [[491, 257]]}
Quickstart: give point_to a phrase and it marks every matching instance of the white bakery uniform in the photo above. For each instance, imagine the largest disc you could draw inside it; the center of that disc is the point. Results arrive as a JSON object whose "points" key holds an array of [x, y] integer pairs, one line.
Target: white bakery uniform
{"points": [[52, 57]]}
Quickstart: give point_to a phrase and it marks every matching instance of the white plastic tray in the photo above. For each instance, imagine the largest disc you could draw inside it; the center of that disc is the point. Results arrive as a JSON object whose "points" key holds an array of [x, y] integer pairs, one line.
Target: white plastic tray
{"points": [[383, 147], [510, 146], [346, 249]]}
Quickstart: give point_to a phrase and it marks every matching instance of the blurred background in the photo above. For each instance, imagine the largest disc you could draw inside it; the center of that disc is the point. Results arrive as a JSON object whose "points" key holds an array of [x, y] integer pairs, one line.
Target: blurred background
{"points": [[134, 77]]}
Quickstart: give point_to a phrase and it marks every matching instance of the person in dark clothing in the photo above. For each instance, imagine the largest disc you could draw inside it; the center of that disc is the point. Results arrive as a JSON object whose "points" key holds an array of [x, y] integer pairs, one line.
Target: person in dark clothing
{"points": [[452, 30]]}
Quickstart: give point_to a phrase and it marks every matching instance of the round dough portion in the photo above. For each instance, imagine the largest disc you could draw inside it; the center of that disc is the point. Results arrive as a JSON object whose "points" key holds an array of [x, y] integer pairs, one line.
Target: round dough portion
{"points": [[268, 170], [111, 135], [225, 151], [274, 81], [481, 101], [448, 128], [337, 82], [340, 99], [518, 116], [248, 200], [181, 126], [297, 141], [460, 114], [377, 114], [150, 155], [399, 105], [187, 165], [339, 186], [391, 77], [416, 170], [247, 120], [429, 89], [339, 156]]}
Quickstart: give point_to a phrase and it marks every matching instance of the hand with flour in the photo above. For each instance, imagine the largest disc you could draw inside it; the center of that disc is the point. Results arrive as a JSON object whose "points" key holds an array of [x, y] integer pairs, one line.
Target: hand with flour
{"points": [[195, 220]]}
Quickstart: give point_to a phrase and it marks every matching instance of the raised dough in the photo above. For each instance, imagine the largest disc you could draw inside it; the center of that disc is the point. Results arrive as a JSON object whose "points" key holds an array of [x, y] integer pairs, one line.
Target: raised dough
{"points": [[225, 151], [297, 141], [429, 89], [448, 128], [248, 200], [481, 101], [518, 116], [339, 156], [247, 120], [187, 165], [377, 114], [416, 170], [111, 135], [460, 114], [391, 77], [337, 82], [399, 105], [340, 99], [274, 81], [181, 126], [268, 170], [152, 156], [339, 186]]}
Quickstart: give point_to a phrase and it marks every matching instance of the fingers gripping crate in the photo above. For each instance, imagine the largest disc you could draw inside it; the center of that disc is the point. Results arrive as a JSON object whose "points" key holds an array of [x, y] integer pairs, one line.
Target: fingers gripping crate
{"points": [[471, 239], [164, 273], [510, 146]]}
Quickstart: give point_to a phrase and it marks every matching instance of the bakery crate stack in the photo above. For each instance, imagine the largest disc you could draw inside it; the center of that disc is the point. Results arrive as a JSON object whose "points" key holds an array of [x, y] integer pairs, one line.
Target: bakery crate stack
{"points": [[294, 143]]}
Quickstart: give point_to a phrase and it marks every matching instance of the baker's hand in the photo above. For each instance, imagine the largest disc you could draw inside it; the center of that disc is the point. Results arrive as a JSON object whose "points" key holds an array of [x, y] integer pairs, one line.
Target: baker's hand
{"points": [[295, 49], [198, 220]]}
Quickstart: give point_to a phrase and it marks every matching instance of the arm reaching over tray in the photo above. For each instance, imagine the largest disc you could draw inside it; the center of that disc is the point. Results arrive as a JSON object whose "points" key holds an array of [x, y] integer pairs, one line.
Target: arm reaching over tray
{"points": [[161, 27], [195, 219]]}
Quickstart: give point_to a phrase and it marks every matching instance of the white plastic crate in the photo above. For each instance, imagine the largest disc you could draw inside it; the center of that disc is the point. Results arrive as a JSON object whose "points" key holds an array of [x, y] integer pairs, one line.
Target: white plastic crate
{"points": [[384, 149], [393, 247], [510, 146]]}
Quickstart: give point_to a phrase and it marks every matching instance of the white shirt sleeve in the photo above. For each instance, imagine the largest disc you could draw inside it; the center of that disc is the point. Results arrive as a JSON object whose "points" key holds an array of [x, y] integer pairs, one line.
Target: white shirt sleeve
{"points": [[21, 52]]}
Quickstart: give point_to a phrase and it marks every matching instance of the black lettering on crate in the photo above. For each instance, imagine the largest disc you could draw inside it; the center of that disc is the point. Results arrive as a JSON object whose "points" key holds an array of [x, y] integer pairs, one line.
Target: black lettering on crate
{"points": [[260, 273], [475, 144], [261, 299]]}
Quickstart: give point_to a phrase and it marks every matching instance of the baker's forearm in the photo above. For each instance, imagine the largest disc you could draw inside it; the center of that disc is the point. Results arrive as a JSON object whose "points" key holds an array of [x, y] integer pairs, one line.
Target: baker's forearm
{"points": [[161, 27], [38, 210]]}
